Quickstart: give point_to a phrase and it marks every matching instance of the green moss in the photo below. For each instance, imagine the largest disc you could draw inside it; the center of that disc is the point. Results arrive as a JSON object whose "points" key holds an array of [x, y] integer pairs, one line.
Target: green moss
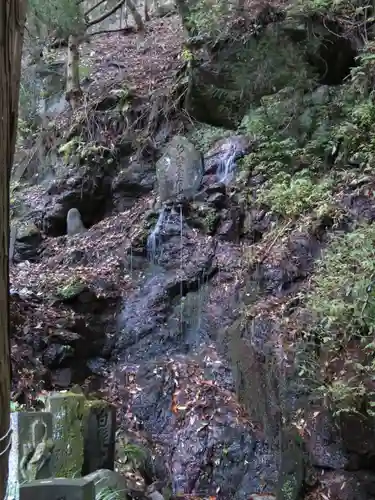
{"points": [[95, 404], [204, 217], [150, 220], [84, 71], [16, 204], [71, 289], [167, 492], [288, 488], [14, 407]]}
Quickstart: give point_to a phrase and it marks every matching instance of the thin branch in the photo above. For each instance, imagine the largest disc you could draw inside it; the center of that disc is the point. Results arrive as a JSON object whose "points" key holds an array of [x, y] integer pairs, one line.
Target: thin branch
{"points": [[106, 14], [124, 31], [94, 7]]}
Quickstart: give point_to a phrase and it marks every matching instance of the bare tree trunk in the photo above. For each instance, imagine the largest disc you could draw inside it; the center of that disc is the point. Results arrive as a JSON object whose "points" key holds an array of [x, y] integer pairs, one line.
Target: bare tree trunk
{"points": [[73, 88], [126, 15], [12, 22], [12, 241], [146, 14], [136, 15], [121, 15]]}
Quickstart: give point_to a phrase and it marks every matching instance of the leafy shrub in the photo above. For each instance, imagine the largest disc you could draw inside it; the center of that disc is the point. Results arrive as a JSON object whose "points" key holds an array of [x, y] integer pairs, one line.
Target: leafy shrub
{"points": [[357, 131], [343, 297], [291, 196]]}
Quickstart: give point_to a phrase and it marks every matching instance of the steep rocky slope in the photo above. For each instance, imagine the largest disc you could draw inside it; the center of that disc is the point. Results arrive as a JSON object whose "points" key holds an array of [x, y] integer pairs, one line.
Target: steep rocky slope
{"points": [[233, 327]]}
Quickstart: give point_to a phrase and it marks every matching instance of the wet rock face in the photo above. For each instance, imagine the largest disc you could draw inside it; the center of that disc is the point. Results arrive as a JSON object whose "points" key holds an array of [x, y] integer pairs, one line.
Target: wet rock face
{"points": [[254, 352], [324, 441], [176, 309], [345, 485], [190, 406], [184, 264], [175, 330], [75, 353], [360, 450], [180, 170], [293, 265], [358, 201]]}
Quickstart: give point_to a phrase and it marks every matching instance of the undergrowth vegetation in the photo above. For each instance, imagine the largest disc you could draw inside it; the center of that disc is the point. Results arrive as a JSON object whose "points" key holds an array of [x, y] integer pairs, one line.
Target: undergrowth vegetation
{"points": [[291, 196], [341, 366]]}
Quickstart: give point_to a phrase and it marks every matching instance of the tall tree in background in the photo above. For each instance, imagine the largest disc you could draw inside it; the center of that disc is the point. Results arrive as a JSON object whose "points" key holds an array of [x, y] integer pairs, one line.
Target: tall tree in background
{"points": [[12, 20]]}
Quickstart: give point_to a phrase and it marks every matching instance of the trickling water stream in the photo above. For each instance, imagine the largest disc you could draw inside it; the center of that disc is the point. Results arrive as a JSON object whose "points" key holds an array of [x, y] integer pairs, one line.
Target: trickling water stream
{"points": [[153, 238], [226, 168], [189, 310]]}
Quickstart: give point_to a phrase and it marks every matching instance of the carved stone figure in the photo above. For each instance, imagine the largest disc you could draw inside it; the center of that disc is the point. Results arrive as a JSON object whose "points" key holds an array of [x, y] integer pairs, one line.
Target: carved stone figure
{"points": [[32, 448], [36, 454], [179, 171], [74, 224]]}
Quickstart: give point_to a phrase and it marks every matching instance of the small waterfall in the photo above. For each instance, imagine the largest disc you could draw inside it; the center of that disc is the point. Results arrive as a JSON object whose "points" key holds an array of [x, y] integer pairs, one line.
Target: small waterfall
{"points": [[153, 246], [226, 168]]}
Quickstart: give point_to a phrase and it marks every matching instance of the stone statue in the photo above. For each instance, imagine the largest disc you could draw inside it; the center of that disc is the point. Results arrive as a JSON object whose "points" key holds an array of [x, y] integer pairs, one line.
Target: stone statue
{"points": [[74, 224], [36, 455], [180, 170]]}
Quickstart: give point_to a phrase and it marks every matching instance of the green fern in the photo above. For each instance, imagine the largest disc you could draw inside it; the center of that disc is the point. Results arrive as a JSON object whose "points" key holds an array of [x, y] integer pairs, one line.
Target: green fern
{"points": [[110, 494]]}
